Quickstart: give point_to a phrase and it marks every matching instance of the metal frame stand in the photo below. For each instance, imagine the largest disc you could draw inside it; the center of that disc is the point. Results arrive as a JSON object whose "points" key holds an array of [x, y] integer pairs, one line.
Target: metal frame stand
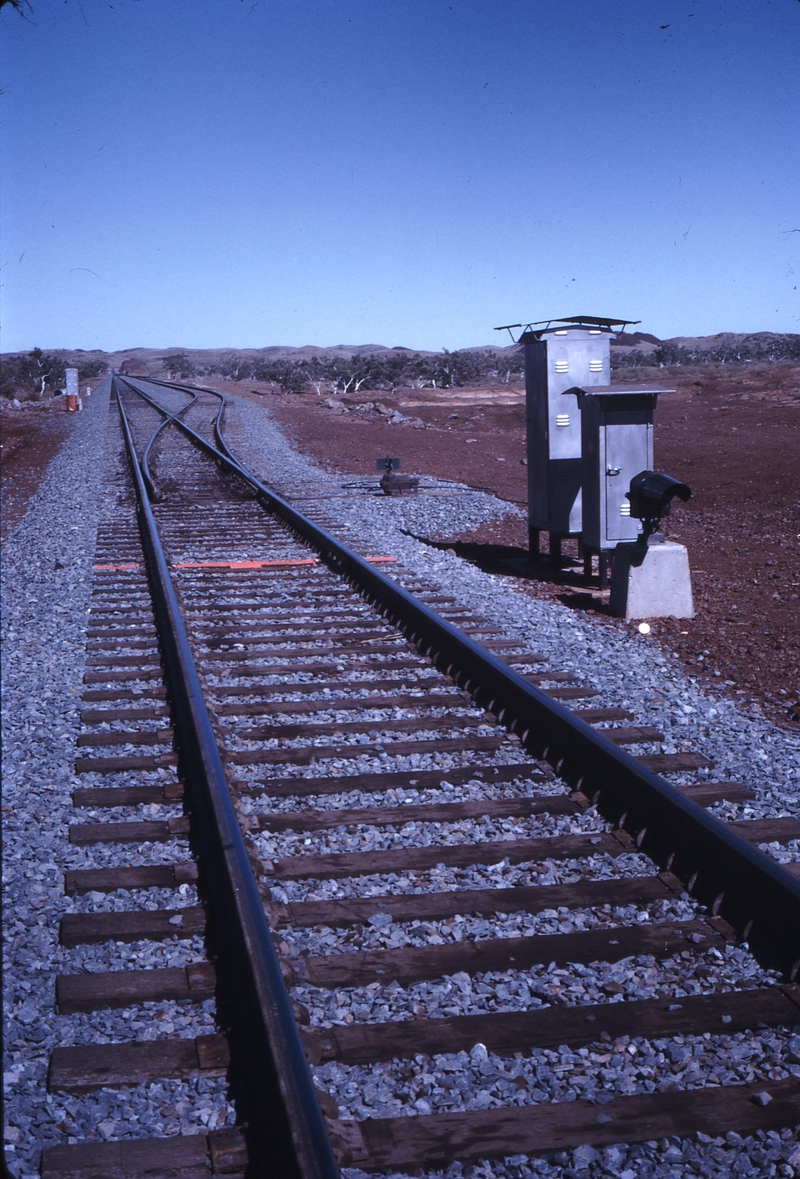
{"points": [[605, 558], [533, 546]]}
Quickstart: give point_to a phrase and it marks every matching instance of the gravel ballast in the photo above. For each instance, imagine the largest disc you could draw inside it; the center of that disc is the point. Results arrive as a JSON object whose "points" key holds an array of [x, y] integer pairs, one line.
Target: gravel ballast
{"points": [[47, 581], [46, 585]]}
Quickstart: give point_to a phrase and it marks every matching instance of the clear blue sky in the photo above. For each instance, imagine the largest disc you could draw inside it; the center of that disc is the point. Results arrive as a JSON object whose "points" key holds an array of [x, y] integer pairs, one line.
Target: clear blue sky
{"points": [[205, 173]]}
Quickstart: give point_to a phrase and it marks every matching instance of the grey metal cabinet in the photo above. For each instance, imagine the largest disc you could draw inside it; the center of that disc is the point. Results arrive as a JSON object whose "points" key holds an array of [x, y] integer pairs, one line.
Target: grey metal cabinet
{"points": [[617, 443], [557, 360]]}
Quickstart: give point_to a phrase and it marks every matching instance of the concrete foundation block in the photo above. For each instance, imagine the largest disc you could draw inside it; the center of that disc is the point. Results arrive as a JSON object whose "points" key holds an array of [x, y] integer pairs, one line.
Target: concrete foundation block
{"points": [[651, 581]]}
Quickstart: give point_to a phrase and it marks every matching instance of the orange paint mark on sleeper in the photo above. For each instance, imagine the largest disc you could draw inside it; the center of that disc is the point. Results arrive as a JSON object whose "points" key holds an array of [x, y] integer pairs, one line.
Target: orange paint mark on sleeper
{"points": [[245, 564]]}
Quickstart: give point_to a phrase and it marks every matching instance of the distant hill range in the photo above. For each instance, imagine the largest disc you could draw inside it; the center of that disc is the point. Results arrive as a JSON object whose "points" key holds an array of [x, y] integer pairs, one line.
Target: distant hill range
{"points": [[345, 368], [637, 349]]}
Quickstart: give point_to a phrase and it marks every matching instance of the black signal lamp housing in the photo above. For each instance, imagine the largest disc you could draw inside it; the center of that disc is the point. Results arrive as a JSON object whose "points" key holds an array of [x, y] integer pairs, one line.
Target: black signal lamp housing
{"points": [[651, 495]]}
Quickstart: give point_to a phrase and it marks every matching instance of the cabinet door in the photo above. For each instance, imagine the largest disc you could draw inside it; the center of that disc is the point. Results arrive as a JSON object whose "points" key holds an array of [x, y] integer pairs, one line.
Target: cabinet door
{"points": [[626, 455]]}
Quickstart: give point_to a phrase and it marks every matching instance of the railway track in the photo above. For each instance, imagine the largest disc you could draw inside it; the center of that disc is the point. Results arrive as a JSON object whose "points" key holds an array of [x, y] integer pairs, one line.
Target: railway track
{"points": [[449, 911]]}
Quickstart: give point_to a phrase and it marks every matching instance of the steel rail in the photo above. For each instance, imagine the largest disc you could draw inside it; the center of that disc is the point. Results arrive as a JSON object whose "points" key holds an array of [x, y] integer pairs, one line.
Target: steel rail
{"points": [[746, 887], [171, 417], [144, 462], [284, 1127]]}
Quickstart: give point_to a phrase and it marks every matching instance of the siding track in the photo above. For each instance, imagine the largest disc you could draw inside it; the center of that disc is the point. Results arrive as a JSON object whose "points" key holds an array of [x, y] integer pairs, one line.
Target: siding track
{"points": [[411, 840]]}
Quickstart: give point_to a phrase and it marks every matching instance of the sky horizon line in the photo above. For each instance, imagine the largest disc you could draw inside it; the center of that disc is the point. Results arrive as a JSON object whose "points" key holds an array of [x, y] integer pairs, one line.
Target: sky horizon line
{"points": [[371, 344]]}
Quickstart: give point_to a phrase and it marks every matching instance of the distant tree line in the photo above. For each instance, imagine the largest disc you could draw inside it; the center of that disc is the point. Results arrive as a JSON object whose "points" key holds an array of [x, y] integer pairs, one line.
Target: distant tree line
{"points": [[33, 374], [784, 347], [349, 374]]}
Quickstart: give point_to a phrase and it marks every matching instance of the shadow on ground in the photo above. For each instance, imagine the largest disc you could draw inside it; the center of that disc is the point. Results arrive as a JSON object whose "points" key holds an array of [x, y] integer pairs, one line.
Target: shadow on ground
{"points": [[513, 561]]}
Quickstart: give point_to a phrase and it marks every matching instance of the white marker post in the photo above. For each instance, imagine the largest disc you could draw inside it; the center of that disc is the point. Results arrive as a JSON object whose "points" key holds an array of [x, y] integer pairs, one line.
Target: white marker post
{"points": [[72, 389]]}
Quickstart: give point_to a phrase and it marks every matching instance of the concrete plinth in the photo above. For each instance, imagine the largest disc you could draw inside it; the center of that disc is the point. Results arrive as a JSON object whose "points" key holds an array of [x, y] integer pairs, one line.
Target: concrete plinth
{"points": [[651, 581]]}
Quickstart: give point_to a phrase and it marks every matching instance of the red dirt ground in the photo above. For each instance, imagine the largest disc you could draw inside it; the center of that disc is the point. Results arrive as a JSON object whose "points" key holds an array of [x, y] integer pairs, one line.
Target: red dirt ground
{"points": [[30, 436]]}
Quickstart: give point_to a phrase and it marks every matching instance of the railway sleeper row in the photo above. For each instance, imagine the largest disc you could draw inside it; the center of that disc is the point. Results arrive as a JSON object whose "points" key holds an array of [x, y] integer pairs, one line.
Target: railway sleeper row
{"points": [[222, 609]]}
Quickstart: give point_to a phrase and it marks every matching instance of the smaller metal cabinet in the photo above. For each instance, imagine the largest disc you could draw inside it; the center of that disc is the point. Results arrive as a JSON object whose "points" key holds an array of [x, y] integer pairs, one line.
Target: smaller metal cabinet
{"points": [[616, 444]]}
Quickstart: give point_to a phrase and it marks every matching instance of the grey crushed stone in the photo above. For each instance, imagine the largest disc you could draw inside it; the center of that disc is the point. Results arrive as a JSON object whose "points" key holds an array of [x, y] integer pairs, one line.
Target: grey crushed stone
{"points": [[419, 834], [482, 1080], [642, 977], [46, 584]]}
